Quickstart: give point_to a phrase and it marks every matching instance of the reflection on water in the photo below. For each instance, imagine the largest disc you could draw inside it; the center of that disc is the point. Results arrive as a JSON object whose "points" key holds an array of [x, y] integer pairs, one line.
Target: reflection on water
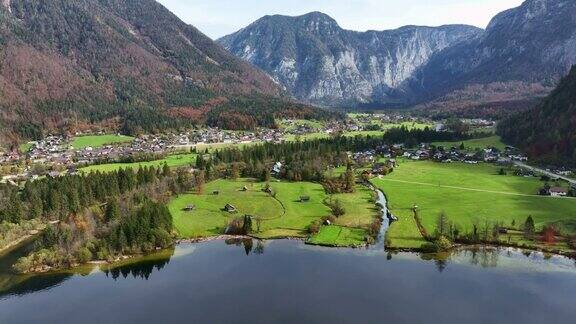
{"points": [[143, 268], [247, 244], [245, 280]]}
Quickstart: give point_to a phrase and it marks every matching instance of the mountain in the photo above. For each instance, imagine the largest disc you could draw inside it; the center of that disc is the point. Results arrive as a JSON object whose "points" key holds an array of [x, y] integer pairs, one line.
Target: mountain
{"points": [[548, 131], [521, 55], [65, 64], [321, 63]]}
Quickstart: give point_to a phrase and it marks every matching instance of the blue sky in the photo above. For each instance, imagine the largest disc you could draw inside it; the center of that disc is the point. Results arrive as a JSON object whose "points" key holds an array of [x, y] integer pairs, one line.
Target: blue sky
{"points": [[217, 18]]}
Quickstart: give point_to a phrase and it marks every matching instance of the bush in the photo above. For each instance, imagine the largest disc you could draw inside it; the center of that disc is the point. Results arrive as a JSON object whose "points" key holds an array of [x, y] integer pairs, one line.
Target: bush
{"points": [[314, 228], [443, 244], [83, 255], [375, 227], [439, 245], [337, 208]]}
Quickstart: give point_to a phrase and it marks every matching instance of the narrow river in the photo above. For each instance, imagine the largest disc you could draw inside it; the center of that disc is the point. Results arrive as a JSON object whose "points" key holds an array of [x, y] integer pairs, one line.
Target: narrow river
{"points": [[381, 240]]}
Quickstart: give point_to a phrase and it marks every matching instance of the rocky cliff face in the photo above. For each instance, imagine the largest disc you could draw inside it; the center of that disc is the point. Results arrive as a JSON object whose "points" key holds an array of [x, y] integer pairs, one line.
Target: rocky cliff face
{"points": [[320, 62], [524, 48], [534, 44]]}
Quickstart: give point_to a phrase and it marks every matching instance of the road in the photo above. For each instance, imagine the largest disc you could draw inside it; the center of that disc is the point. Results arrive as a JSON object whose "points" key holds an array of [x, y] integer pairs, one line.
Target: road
{"points": [[548, 173], [467, 189]]}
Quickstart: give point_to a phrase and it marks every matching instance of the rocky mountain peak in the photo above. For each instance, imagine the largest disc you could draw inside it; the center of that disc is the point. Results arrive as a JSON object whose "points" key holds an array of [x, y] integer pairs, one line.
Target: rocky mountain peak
{"points": [[319, 62], [317, 22]]}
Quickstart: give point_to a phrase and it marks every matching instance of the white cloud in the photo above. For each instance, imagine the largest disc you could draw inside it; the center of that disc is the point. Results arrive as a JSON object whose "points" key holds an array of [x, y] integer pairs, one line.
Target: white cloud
{"points": [[217, 18]]}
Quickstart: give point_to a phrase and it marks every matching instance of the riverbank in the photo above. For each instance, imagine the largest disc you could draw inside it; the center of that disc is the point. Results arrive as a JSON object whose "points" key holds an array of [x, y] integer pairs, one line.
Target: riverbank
{"points": [[479, 202]]}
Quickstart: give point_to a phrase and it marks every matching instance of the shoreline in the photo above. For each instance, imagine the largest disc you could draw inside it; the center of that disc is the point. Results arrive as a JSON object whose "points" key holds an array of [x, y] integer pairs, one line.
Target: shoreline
{"points": [[456, 247]]}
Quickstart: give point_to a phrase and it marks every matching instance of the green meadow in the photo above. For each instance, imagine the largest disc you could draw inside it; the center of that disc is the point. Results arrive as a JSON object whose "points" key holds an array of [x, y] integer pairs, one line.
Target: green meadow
{"points": [[177, 160], [285, 125], [477, 143], [281, 216], [339, 236], [96, 141], [467, 194]]}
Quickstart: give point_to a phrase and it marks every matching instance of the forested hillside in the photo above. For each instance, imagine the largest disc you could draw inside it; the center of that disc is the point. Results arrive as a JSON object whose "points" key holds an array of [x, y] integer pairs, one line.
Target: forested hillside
{"points": [[65, 64], [548, 132]]}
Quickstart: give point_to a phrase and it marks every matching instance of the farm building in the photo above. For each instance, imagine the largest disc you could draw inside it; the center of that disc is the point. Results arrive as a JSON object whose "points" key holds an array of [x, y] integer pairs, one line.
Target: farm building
{"points": [[558, 192], [229, 208], [189, 208]]}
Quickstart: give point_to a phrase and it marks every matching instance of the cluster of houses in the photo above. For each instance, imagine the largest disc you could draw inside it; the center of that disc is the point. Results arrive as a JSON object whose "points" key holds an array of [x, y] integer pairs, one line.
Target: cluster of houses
{"points": [[216, 135], [455, 154], [367, 119], [57, 153]]}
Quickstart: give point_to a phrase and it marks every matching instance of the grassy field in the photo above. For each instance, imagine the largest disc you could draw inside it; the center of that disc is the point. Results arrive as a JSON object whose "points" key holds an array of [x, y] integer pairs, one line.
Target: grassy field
{"points": [[409, 125], [467, 193], [220, 146], [172, 161], [481, 143], [96, 141], [285, 125], [306, 137], [360, 208], [339, 236], [282, 216]]}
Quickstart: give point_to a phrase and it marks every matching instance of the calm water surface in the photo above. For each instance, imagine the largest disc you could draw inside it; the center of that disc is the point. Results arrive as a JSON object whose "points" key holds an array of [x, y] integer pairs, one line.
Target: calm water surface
{"points": [[289, 282]]}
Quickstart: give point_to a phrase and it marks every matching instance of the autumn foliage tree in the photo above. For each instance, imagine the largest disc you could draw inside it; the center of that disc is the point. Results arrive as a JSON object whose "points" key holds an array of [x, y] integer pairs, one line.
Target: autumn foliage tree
{"points": [[549, 234]]}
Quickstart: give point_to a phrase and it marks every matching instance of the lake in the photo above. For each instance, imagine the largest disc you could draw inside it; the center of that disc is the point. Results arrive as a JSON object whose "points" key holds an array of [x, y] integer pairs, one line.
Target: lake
{"points": [[287, 281]]}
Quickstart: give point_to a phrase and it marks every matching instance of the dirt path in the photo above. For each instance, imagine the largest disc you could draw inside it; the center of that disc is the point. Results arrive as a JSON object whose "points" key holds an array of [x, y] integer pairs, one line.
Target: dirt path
{"points": [[472, 189]]}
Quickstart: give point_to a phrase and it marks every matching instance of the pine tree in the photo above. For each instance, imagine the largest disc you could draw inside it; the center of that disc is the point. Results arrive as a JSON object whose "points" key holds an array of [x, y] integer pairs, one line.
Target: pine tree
{"points": [[112, 211], [529, 228], [200, 182], [350, 180]]}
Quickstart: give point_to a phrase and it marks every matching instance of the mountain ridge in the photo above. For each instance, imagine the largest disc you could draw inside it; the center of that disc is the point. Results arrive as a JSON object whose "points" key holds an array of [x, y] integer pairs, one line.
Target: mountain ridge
{"points": [[67, 64], [351, 66], [525, 50]]}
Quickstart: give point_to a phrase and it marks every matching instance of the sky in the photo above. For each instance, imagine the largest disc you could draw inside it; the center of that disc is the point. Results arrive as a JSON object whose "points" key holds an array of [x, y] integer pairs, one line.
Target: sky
{"points": [[217, 18]]}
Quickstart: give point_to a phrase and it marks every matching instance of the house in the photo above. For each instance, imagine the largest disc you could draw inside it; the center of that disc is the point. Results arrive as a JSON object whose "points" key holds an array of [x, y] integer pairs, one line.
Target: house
{"points": [[378, 168], [277, 168], [558, 192], [189, 208], [304, 199], [229, 208]]}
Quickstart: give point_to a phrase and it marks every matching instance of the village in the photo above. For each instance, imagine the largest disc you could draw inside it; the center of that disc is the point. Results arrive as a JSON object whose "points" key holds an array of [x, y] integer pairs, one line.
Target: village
{"points": [[57, 155]]}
